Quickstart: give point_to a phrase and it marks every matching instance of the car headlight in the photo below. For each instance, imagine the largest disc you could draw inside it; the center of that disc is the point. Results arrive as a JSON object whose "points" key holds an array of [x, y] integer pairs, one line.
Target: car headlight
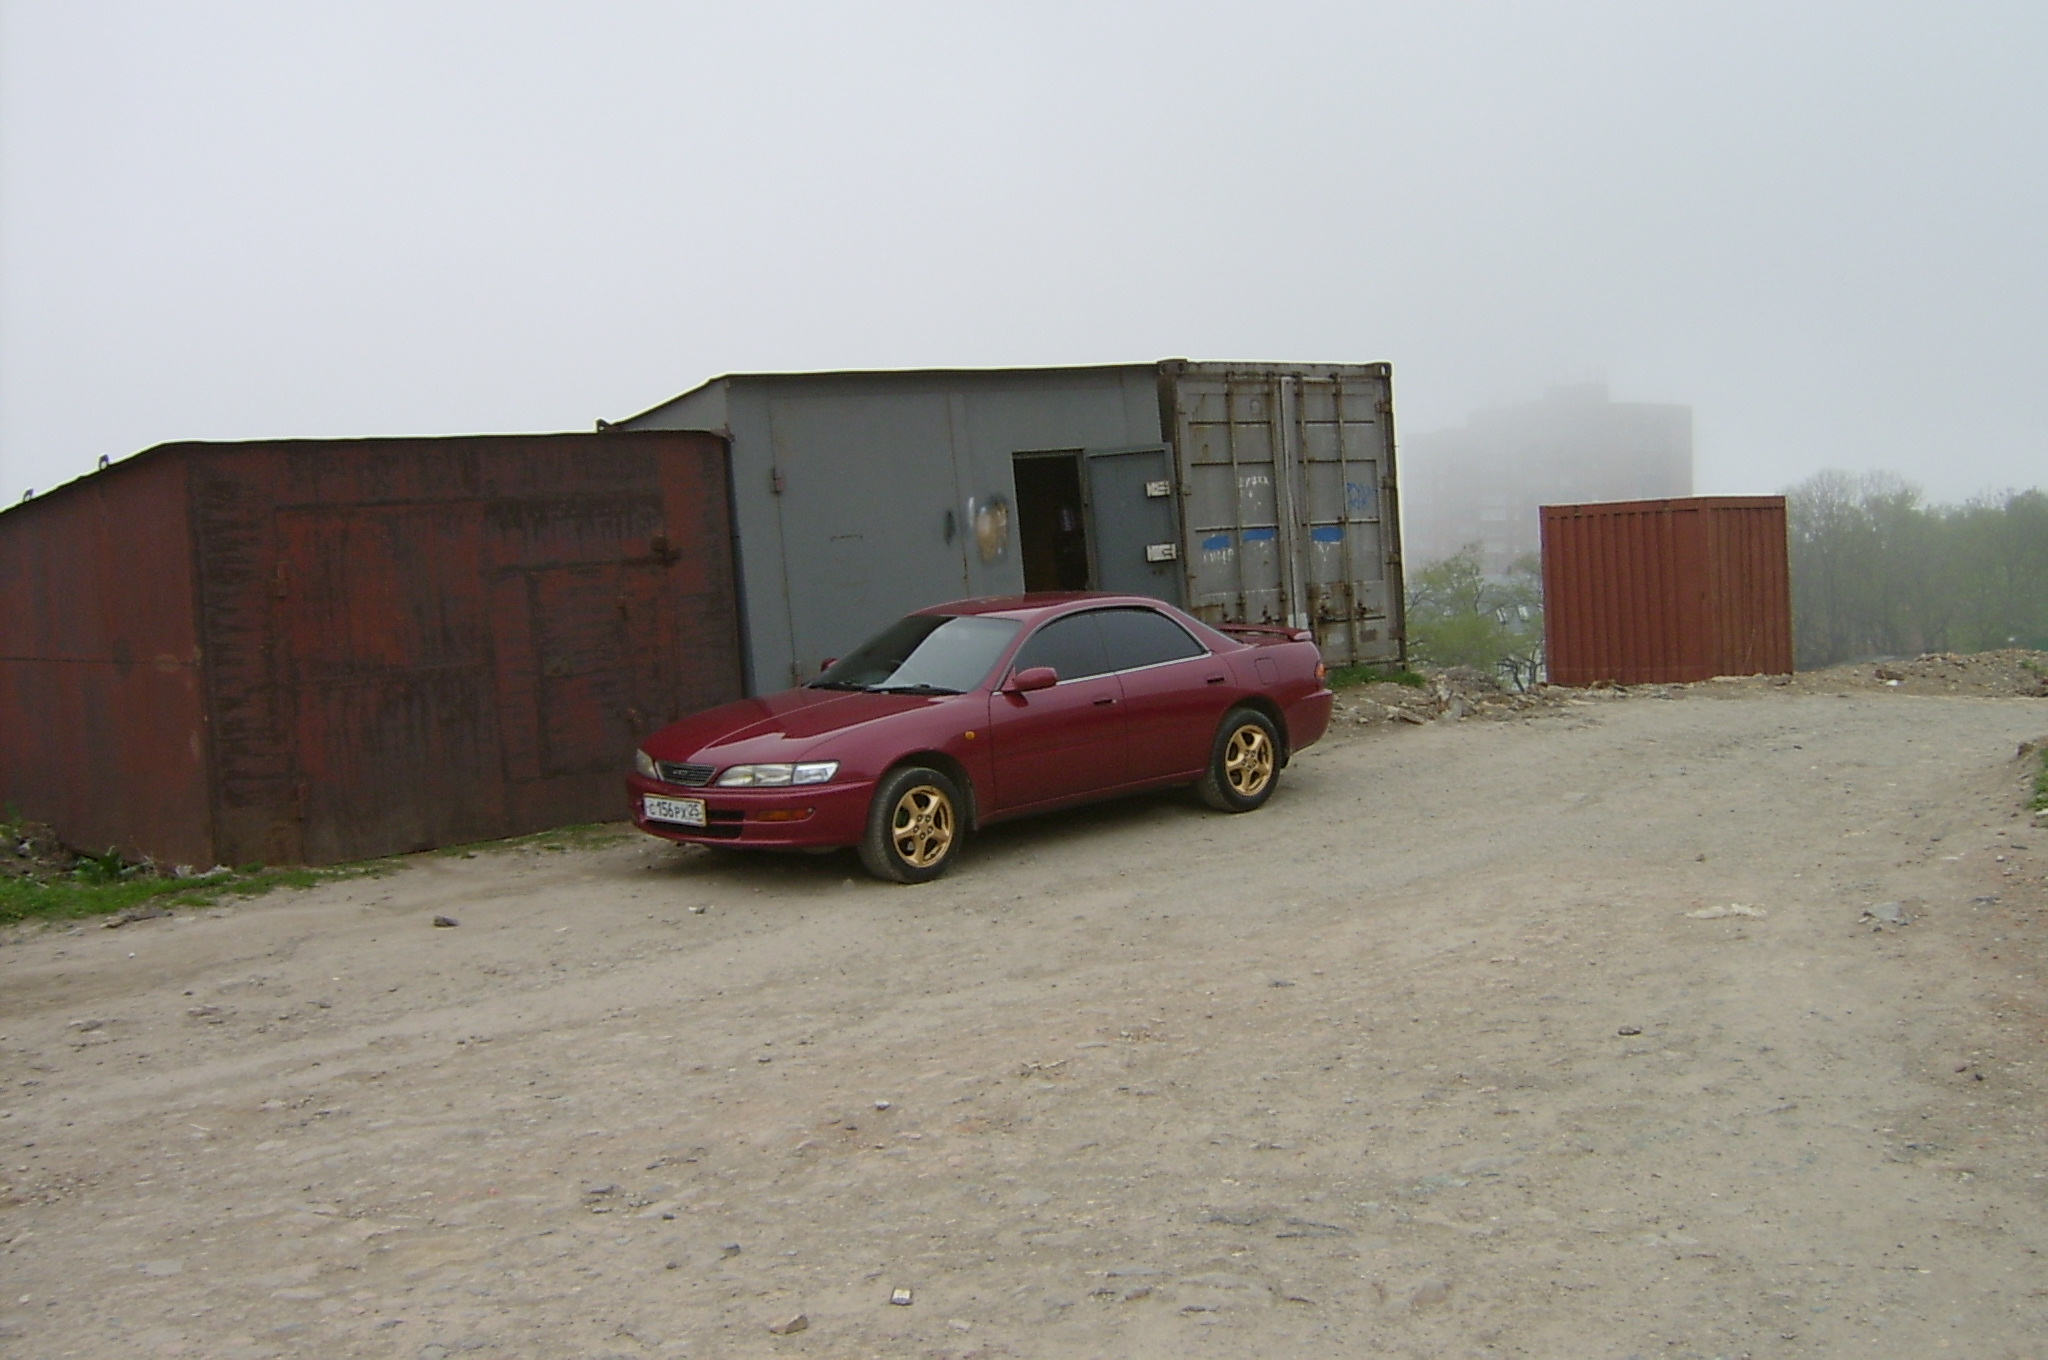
{"points": [[769, 776], [643, 765]]}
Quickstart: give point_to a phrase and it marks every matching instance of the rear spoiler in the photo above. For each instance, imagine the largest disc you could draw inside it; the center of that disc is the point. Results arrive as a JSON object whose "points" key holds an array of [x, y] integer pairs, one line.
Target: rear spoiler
{"points": [[1263, 632]]}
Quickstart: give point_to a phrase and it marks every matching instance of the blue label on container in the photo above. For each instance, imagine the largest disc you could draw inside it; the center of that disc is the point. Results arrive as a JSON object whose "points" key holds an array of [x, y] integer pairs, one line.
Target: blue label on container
{"points": [[1261, 535], [1327, 533], [1358, 497], [1216, 543]]}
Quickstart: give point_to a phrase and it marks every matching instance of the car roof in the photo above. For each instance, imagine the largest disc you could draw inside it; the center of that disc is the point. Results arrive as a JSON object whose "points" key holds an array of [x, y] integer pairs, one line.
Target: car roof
{"points": [[1036, 603]]}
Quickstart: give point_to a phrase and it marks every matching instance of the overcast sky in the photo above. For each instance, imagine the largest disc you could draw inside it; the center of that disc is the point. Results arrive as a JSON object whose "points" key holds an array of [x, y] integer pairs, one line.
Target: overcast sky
{"points": [[1820, 225]]}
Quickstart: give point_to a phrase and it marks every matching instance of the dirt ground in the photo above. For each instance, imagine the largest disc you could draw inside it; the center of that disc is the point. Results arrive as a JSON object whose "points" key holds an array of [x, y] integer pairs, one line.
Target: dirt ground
{"points": [[1563, 1035]]}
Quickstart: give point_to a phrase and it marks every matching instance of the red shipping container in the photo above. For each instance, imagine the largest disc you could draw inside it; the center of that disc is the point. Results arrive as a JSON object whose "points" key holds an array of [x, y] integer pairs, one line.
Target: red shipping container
{"points": [[1666, 591], [306, 651]]}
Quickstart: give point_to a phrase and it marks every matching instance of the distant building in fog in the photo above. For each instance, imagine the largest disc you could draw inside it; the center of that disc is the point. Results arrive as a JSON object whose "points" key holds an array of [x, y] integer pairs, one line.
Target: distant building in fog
{"points": [[1482, 483]]}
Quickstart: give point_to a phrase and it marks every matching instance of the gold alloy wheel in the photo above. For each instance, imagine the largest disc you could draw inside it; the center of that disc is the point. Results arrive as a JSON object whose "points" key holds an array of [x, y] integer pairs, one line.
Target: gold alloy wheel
{"points": [[922, 826], [1248, 761]]}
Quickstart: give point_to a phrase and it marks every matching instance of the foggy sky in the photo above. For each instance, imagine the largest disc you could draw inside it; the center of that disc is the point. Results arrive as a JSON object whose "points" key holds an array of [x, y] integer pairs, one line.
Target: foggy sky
{"points": [[1820, 225]]}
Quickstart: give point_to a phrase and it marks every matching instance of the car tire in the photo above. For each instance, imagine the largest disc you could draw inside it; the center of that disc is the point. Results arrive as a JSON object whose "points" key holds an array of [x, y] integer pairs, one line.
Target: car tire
{"points": [[1244, 764], [915, 826]]}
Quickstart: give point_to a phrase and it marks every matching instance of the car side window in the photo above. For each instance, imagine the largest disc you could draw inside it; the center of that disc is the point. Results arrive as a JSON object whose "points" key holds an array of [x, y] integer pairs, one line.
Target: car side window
{"points": [[1072, 646], [1145, 637]]}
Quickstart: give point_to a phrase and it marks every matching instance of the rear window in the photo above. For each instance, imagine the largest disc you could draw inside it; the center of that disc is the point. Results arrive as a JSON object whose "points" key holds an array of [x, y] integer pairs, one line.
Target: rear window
{"points": [[1144, 637]]}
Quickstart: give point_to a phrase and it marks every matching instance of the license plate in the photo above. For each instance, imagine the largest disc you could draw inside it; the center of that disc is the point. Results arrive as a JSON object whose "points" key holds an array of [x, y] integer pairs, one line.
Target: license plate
{"points": [[681, 811]]}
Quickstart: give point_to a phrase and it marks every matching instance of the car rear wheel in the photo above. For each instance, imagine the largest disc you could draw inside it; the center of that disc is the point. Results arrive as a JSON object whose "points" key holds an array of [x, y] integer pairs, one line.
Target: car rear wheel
{"points": [[914, 826], [1244, 765]]}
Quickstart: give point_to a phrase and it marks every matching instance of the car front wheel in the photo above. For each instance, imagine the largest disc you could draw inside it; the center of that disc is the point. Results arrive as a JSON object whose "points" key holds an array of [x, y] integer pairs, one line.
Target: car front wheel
{"points": [[1244, 765], [914, 826]]}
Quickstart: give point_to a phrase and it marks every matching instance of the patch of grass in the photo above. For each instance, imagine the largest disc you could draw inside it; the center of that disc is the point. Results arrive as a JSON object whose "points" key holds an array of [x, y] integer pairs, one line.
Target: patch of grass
{"points": [[1343, 677], [90, 892], [2040, 802]]}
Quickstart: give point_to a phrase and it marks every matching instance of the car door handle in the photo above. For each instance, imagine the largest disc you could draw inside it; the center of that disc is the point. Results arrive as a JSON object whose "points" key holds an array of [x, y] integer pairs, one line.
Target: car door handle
{"points": [[1213, 680], [1104, 700]]}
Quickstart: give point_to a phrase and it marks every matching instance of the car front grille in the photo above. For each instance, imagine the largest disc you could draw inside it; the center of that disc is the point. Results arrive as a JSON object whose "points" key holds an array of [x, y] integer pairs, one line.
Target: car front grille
{"points": [[689, 776]]}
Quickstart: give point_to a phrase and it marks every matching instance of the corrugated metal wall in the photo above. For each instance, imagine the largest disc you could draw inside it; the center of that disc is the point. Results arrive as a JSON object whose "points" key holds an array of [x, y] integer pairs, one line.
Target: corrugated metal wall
{"points": [[1666, 591], [102, 730], [1289, 502], [400, 643]]}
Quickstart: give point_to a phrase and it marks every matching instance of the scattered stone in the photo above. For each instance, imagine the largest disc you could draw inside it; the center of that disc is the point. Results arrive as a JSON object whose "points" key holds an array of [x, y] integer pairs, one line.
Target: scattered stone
{"points": [[1887, 913], [446, 922], [1428, 1294], [881, 1104], [1303, 1227], [791, 1326], [1720, 913], [148, 911], [1236, 1218], [1629, 1031], [730, 1249], [960, 1324], [900, 1297]]}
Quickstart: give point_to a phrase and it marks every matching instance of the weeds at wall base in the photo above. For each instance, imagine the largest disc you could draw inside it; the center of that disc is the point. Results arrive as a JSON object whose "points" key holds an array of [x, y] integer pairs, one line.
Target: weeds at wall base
{"points": [[1342, 677]]}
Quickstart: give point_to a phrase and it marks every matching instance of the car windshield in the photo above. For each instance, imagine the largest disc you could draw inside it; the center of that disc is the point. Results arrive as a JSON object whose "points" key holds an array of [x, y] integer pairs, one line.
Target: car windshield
{"points": [[923, 654]]}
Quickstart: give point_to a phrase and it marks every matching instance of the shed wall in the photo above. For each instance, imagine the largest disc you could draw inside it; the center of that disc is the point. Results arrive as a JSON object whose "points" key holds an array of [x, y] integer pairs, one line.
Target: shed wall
{"points": [[101, 713], [855, 494], [1666, 591], [415, 643]]}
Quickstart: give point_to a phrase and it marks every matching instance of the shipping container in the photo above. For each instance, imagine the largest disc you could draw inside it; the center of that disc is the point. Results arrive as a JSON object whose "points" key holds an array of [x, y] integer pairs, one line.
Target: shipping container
{"points": [[1247, 493], [1666, 591], [314, 651]]}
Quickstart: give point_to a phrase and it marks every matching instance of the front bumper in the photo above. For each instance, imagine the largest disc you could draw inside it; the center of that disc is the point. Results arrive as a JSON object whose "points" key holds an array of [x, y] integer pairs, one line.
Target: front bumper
{"points": [[838, 814]]}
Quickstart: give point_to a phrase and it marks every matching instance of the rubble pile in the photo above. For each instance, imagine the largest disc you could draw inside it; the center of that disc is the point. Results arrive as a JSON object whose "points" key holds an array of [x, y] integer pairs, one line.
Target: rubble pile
{"points": [[2009, 672], [32, 850], [1460, 692]]}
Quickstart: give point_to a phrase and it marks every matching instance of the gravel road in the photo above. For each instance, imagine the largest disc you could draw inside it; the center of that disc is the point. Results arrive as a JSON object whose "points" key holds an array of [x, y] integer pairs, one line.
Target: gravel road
{"points": [[1560, 1035]]}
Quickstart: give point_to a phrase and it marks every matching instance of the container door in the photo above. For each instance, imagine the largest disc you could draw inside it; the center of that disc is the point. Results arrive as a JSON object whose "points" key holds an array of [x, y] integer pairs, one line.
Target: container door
{"points": [[1289, 504], [1133, 522]]}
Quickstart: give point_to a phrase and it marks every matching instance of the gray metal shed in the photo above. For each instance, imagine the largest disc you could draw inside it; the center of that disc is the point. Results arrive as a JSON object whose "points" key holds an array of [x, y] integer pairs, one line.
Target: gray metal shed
{"points": [[1247, 493]]}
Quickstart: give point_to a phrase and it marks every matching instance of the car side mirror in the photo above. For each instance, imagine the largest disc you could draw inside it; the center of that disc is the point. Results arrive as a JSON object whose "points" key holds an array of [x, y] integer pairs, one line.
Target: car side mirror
{"points": [[827, 664], [1031, 678]]}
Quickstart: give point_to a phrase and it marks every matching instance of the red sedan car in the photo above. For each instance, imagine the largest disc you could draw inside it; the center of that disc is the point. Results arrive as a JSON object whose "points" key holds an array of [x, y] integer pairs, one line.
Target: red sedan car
{"points": [[977, 711]]}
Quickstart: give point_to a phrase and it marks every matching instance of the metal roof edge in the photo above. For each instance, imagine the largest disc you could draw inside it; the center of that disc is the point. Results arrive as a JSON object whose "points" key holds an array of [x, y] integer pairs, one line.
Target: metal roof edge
{"points": [[1379, 369], [156, 452]]}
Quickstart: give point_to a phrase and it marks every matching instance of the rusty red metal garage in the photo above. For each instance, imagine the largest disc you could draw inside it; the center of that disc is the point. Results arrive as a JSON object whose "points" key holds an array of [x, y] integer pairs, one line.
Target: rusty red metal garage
{"points": [[1666, 591], [314, 651]]}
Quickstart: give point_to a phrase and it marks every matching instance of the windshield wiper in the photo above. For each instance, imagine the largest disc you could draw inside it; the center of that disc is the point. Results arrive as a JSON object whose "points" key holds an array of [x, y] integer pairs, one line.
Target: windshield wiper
{"points": [[914, 689], [837, 684]]}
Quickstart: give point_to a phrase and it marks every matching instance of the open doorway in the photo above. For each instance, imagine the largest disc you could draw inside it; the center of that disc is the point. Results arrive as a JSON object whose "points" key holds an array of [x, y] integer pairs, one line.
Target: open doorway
{"points": [[1052, 521]]}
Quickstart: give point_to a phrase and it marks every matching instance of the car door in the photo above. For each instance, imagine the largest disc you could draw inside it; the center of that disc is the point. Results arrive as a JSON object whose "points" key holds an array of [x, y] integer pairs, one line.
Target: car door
{"points": [[1174, 692], [1066, 741]]}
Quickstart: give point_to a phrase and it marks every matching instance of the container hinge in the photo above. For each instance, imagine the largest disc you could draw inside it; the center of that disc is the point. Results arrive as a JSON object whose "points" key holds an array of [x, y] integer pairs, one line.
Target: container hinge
{"points": [[775, 482]]}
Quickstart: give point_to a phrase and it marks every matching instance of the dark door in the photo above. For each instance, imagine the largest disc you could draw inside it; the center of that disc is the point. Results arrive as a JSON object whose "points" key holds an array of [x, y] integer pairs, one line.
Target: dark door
{"points": [[1052, 522], [1063, 742], [1174, 692], [1135, 527]]}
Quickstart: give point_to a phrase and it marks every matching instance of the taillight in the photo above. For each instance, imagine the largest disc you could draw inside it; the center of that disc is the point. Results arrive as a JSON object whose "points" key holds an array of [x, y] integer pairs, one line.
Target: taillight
{"points": [[1321, 671]]}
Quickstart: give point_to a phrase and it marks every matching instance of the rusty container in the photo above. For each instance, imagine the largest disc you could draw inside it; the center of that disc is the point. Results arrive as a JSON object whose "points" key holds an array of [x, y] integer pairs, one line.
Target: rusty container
{"points": [[323, 650], [1666, 591]]}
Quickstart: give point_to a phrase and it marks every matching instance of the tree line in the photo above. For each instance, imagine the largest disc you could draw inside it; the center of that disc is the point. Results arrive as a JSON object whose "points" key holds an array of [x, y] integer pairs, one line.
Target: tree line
{"points": [[1877, 571]]}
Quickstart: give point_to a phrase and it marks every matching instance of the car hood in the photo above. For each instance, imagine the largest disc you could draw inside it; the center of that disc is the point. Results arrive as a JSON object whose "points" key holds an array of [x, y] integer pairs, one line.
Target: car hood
{"points": [[779, 727]]}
